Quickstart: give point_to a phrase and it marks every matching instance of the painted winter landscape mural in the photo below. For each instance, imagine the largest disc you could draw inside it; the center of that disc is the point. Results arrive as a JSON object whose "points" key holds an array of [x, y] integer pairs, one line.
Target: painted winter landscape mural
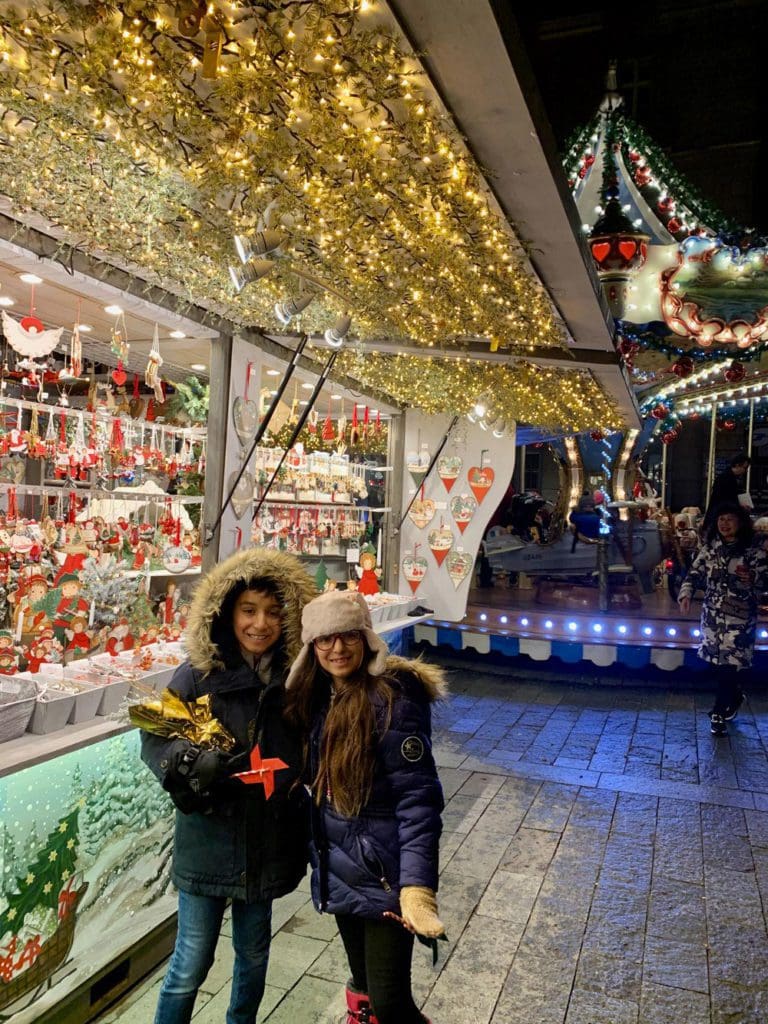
{"points": [[85, 848]]}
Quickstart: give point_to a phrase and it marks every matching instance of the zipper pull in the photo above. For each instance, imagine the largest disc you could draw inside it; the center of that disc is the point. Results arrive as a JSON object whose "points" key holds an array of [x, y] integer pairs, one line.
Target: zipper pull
{"points": [[387, 887]]}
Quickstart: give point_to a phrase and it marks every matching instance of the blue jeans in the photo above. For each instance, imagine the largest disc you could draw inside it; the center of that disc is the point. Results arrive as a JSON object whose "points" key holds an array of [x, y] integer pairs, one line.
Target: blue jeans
{"points": [[196, 937]]}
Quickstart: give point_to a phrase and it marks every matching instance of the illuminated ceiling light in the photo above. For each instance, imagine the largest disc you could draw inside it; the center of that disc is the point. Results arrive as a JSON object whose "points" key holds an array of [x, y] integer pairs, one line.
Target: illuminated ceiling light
{"points": [[289, 308], [85, 328], [335, 335], [336, 398], [273, 373], [30, 279], [251, 271], [113, 310], [6, 300], [198, 366], [260, 243], [307, 386], [177, 334], [500, 427]]}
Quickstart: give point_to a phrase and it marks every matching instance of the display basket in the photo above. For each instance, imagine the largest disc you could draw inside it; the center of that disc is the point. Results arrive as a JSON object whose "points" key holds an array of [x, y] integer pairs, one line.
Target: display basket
{"points": [[17, 702]]}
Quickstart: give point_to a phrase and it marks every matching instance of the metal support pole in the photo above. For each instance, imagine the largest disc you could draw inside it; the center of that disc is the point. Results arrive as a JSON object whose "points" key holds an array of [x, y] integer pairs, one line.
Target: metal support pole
{"points": [[711, 460], [522, 469], [664, 449], [749, 439], [602, 573]]}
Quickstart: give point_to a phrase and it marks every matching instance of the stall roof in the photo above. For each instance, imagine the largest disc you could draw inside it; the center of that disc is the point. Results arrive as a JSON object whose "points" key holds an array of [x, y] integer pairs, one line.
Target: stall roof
{"points": [[319, 124]]}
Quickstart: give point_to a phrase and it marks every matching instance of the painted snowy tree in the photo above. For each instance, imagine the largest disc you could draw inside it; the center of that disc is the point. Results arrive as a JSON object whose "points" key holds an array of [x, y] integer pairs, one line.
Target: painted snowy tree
{"points": [[40, 884], [107, 590], [8, 860]]}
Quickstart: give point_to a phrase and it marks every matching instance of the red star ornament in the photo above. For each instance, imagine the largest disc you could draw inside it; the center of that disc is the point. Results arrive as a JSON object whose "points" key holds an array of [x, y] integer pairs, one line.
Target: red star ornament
{"points": [[262, 771]]}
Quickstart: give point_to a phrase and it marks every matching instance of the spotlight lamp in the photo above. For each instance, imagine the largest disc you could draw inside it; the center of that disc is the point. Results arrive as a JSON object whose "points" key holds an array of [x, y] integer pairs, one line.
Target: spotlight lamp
{"points": [[251, 271], [500, 427], [260, 243], [289, 308], [335, 335]]}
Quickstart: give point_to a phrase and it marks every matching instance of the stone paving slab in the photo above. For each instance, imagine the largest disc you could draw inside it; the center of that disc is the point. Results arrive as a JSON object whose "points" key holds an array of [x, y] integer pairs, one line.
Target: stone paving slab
{"points": [[604, 861]]}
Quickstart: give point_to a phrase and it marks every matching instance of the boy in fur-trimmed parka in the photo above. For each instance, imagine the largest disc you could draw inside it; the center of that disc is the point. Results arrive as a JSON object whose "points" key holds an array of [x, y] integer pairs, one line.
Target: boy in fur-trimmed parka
{"points": [[235, 841]]}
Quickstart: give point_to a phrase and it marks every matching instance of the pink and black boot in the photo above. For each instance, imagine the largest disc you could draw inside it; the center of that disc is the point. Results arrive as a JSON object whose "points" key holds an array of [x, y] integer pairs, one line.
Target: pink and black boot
{"points": [[359, 1007]]}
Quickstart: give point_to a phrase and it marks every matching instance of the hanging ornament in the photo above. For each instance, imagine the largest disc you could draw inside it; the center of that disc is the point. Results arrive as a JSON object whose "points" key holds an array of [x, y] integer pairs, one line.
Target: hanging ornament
{"points": [[116, 441], [378, 426], [596, 435], [119, 376], [422, 512], [440, 542], [354, 432], [682, 367], [728, 424], [448, 469], [242, 497], [245, 413], [119, 338], [669, 437], [660, 411], [459, 565], [152, 371], [328, 432], [366, 423], [480, 479], [312, 421], [463, 507], [414, 569], [76, 348], [150, 415], [341, 425], [136, 403], [293, 419], [735, 372], [29, 337]]}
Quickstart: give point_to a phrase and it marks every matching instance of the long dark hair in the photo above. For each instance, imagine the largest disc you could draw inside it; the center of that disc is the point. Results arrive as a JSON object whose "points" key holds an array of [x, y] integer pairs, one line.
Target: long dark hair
{"points": [[348, 743], [222, 633], [745, 534]]}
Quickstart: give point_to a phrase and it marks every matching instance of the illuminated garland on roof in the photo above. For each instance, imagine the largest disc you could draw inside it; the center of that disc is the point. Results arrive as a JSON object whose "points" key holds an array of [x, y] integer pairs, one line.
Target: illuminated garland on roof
{"points": [[111, 134], [565, 400]]}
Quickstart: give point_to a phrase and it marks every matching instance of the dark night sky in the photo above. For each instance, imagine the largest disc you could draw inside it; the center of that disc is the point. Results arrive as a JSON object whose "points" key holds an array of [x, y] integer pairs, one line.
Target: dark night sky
{"points": [[692, 74]]}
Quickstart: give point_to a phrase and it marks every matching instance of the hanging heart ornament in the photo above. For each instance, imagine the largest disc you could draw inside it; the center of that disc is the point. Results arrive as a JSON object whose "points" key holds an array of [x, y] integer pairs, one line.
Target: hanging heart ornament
{"points": [[448, 469], [422, 512], [459, 565], [414, 570], [176, 558], [245, 415], [242, 498], [480, 480], [440, 543], [463, 507]]}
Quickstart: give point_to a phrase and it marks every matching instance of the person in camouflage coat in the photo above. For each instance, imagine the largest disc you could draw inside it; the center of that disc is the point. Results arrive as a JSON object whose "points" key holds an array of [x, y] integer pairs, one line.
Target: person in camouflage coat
{"points": [[730, 570]]}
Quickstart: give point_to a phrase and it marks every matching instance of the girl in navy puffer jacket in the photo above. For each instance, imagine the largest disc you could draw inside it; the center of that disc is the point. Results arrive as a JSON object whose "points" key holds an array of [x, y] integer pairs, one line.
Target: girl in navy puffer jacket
{"points": [[376, 798]]}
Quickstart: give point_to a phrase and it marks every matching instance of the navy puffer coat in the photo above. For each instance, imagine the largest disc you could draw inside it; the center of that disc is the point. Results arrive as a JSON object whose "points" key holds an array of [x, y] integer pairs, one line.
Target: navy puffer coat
{"points": [[360, 864], [231, 842]]}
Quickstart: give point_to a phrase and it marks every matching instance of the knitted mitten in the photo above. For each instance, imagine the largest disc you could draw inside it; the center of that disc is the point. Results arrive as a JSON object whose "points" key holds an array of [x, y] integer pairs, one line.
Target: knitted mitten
{"points": [[419, 909]]}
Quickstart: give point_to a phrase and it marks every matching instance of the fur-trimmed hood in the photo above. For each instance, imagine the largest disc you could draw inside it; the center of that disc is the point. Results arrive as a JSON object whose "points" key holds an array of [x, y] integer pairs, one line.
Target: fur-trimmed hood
{"points": [[294, 586], [431, 677]]}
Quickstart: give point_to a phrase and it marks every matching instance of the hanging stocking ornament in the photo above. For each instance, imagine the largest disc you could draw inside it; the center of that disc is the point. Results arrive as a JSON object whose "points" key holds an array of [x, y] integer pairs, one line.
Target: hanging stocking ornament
{"points": [[152, 371], [312, 422]]}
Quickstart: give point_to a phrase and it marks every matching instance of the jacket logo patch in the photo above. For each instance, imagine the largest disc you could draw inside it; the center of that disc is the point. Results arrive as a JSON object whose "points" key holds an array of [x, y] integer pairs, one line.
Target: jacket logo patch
{"points": [[412, 748]]}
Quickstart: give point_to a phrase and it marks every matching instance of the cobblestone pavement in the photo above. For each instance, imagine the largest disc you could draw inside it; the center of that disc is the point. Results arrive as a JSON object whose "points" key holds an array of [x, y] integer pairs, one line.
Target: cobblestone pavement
{"points": [[604, 861]]}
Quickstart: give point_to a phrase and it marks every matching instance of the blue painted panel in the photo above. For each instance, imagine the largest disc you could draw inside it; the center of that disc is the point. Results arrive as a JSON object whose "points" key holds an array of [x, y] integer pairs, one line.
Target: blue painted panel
{"points": [[570, 653], [509, 645], [634, 657], [449, 637]]}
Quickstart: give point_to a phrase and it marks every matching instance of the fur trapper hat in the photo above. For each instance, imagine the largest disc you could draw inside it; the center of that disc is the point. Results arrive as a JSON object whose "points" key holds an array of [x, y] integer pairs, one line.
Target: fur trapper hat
{"points": [[338, 611]]}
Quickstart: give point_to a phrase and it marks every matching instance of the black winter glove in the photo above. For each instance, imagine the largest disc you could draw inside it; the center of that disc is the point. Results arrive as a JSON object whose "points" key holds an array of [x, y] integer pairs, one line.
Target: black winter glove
{"points": [[197, 769]]}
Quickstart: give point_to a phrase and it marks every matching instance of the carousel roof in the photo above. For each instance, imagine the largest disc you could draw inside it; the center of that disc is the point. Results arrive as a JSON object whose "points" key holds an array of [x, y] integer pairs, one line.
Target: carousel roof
{"points": [[149, 135]]}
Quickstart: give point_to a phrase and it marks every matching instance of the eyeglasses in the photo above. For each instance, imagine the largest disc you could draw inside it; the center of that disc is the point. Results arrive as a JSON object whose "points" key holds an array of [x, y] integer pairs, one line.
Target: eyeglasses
{"points": [[351, 638]]}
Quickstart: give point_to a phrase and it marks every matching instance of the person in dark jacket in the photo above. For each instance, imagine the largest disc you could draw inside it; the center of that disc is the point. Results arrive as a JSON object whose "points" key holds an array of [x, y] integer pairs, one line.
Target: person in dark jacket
{"points": [[727, 487], [377, 799], [235, 841], [731, 571]]}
